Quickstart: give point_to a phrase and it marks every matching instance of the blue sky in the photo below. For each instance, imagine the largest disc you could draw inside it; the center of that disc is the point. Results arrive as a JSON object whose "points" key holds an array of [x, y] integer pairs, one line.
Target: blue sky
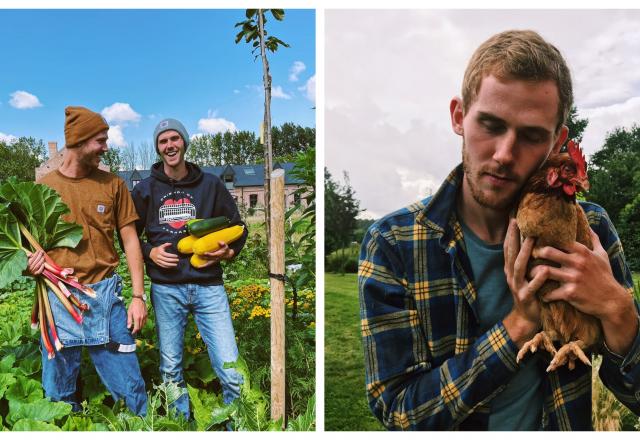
{"points": [[139, 66]]}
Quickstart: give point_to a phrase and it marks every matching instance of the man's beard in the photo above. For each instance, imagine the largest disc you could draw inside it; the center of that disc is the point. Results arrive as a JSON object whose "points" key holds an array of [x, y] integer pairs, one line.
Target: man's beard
{"points": [[480, 196]]}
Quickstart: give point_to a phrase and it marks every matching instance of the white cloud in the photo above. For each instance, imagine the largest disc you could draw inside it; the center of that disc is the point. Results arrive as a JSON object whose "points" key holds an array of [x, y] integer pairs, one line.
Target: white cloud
{"points": [[196, 136], [120, 113], [296, 69], [309, 89], [236, 91], [394, 122], [8, 138], [603, 120], [116, 138], [277, 92], [24, 100], [216, 125]]}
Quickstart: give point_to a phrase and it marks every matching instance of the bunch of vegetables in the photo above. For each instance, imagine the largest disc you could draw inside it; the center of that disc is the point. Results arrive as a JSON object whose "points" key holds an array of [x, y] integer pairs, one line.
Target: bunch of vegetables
{"points": [[205, 236], [30, 221]]}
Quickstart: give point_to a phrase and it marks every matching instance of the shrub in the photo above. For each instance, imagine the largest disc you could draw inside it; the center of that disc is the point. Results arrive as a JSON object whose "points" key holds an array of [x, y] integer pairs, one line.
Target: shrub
{"points": [[343, 260]]}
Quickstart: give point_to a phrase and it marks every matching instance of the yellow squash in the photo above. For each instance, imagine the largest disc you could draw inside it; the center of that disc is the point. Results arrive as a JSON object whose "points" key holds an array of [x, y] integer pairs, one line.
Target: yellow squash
{"points": [[185, 245], [209, 243], [197, 261]]}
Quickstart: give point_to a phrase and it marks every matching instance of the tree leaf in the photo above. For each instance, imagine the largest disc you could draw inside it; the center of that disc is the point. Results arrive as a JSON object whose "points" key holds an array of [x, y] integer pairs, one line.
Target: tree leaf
{"points": [[278, 14]]}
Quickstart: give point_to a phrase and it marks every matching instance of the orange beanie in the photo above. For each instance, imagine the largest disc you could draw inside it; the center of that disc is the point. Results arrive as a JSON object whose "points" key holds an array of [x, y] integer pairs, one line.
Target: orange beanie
{"points": [[81, 124]]}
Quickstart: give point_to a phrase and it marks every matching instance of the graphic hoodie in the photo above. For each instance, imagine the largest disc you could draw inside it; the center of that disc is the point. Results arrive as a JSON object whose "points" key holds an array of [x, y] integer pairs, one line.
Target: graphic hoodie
{"points": [[165, 205]]}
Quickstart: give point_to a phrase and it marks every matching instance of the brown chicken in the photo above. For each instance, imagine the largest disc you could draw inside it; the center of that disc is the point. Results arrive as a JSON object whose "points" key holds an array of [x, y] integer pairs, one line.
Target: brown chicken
{"points": [[548, 211]]}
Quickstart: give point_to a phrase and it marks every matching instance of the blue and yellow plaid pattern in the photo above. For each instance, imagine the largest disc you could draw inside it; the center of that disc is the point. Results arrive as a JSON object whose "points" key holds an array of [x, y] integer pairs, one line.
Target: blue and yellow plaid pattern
{"points": [[427, 366]]}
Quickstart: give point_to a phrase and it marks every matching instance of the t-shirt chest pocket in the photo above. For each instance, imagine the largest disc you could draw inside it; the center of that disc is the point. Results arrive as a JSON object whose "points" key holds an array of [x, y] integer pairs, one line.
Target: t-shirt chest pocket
{"points": [[99, 214]]}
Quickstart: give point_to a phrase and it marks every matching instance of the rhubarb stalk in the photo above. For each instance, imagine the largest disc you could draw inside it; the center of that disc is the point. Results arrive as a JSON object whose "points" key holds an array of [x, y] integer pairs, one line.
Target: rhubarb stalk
{"points": [[34, 311], [65, 302], [47, 308], [43, 331]]}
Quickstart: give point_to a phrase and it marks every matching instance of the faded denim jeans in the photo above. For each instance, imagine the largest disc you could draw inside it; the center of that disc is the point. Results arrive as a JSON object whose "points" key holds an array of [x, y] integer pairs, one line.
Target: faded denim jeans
{"points": [[105, 321], [210, 308]]}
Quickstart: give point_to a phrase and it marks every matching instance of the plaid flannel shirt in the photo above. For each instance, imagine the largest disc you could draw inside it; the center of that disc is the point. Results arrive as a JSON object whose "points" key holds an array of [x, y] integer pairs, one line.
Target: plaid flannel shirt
{"points": [[427, 365]]}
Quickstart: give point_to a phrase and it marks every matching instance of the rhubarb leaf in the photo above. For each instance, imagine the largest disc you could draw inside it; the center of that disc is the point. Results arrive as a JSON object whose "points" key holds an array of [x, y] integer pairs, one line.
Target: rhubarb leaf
{"points": [[40, 209], [6, 380], [13, 260], [24, 390], [34, 425], [42, 410]]}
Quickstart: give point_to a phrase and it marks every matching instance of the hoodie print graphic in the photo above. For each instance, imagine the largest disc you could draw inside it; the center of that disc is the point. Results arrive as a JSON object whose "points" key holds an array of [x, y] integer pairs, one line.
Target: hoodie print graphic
{"points": [[176, 208]]}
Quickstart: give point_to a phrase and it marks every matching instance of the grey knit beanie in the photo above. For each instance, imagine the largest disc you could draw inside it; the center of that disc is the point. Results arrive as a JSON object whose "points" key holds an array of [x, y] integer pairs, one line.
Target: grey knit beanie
{"points": [[170, 124]]}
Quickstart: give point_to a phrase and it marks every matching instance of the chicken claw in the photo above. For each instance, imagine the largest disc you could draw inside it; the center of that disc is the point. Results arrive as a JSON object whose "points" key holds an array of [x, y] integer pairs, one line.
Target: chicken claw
{"points": [[567, 354], [541, 339]]}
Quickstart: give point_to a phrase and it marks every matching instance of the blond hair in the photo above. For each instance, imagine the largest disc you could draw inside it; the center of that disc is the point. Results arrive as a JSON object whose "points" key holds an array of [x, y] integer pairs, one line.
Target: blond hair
{"points": [[522, 55]]}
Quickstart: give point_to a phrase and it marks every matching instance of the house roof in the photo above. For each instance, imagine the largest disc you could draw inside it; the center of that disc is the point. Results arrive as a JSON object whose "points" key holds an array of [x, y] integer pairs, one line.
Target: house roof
{"points": [[243, 175]]}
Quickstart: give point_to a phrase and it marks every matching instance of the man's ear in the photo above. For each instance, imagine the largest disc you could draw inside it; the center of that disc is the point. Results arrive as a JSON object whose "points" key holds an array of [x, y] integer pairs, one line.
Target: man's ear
{"points": [[457, 115], [562, 137]]}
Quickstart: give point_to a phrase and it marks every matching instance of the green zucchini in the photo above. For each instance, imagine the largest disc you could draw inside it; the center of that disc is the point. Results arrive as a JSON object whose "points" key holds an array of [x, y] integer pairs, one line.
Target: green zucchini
{"points": [[208, 225]]}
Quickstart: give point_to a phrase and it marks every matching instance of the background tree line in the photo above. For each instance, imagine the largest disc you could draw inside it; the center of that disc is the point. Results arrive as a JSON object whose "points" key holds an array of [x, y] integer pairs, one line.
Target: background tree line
{"points": [[20, 158]]}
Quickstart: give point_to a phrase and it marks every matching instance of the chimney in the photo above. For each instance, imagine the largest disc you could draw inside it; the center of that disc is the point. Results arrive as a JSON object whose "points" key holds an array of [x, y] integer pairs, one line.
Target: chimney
{"points": [[53, 149]]}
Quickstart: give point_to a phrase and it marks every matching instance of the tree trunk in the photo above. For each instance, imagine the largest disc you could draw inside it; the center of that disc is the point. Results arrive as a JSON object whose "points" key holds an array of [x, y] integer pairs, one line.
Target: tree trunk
{"points": [[267, 130]]}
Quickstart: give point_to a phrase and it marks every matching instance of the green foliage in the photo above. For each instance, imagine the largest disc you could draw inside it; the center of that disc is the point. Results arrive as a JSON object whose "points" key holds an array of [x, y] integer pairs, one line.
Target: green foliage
{"points": [[343, 260], [250, 31], [113, 159], [300, 223], [614, 176], [290, 140], [341, 209], [21, 158], [38, 208], [243, 147], [21, 395], [576, 125]]}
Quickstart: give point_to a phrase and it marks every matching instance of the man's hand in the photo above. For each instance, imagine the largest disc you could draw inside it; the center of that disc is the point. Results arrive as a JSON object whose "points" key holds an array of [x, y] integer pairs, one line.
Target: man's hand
{"points": [[587, 283], [162, 258], [223, 253], [137, 314], [524, 319], [35, 263]]}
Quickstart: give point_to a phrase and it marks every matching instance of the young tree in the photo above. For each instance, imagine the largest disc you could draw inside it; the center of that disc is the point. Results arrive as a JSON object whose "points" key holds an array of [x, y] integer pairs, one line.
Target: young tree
{"points": [[340, 211], [253, 31]]}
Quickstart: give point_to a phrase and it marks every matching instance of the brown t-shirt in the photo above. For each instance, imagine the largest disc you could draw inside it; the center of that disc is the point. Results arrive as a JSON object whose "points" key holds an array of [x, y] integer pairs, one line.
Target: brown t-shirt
{"points": [[101, 204]]}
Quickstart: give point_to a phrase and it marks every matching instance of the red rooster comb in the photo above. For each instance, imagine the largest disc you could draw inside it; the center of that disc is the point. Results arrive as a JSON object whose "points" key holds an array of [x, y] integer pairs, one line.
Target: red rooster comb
{"points": [[577, 156]]}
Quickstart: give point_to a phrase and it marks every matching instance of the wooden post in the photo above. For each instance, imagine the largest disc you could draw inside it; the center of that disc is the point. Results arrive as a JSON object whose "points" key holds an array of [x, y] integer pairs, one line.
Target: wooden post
{"points": [[277, 296]]}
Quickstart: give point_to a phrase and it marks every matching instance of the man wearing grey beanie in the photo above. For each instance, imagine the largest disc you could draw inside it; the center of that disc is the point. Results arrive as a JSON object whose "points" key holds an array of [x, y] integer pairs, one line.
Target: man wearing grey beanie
{"points": [[176, 192]]}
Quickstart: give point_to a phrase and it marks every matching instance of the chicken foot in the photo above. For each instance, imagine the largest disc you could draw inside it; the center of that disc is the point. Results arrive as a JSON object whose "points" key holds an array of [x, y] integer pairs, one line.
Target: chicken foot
{"points": [[540, 340], [567, 354]]}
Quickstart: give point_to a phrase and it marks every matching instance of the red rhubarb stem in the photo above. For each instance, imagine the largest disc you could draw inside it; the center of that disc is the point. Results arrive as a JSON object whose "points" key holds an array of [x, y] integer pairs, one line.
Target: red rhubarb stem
{"points": [[47, 309], [43, 331], [34, 310], [65, 302]]}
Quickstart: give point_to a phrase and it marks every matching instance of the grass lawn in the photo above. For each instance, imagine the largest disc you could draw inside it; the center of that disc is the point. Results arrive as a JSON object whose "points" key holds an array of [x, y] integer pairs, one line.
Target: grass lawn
{"points": [[345, 403]]}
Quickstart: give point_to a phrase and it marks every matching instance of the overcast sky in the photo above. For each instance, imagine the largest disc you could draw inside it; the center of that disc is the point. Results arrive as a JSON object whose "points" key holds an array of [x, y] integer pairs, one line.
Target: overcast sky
{"points": [[390, 75]]}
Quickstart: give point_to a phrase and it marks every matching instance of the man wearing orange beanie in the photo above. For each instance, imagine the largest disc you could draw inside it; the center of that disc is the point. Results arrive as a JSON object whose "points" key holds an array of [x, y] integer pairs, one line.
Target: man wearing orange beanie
{"points": [[100, 202]]}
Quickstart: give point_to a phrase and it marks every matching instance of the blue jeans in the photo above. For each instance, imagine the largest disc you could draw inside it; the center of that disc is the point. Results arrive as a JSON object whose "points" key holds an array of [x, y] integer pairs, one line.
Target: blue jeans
{"points": [[119, 372], [210, 308]]}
